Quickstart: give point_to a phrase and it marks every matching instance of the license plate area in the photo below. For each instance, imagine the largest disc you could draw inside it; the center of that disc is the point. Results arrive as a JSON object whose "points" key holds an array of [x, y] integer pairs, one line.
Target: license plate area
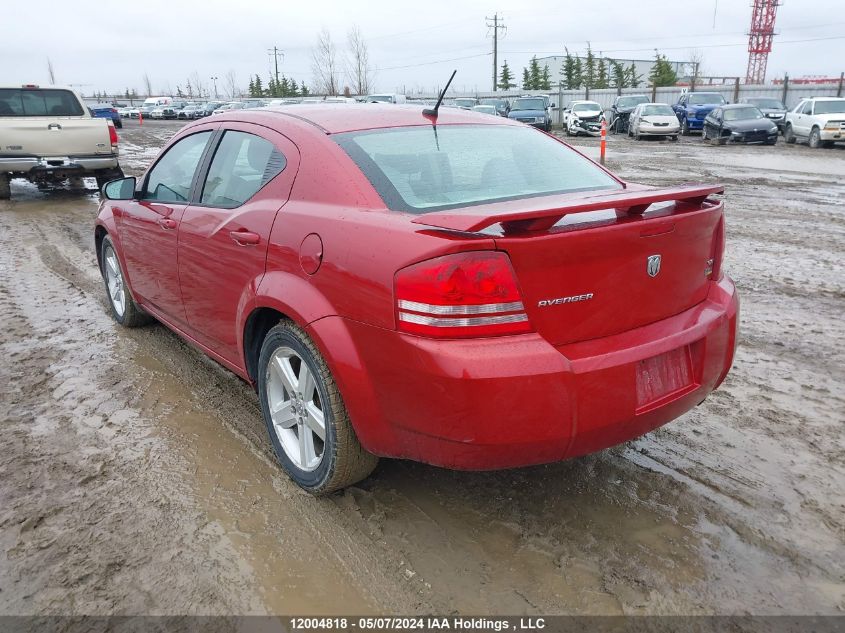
{"points": [[663, 378]]}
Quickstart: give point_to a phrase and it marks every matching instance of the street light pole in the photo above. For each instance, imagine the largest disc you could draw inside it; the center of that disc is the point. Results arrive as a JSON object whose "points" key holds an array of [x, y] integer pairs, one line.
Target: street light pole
{"points": [[214, 79]]}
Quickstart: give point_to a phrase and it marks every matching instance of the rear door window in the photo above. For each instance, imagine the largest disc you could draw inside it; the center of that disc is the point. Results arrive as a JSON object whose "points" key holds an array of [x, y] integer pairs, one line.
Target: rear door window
{"points": [[243, 163], [39, 102]]}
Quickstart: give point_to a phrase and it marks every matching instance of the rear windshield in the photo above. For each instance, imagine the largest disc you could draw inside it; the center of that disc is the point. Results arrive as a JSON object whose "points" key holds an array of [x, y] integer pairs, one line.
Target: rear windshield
{"points": [[740, 114], [658, 110], [630, 102], [38, 102], [772, 104], [706, 98], [529, 104], [420, 169]]}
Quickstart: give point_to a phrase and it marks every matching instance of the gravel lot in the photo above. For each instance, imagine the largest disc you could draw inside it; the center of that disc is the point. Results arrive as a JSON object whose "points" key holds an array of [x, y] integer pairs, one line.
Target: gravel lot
{"points": [[136, 477]]}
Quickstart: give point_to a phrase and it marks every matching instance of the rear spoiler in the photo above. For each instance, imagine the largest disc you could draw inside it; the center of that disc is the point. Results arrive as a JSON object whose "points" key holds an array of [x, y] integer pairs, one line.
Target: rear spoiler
{"points": [[630, 202]]}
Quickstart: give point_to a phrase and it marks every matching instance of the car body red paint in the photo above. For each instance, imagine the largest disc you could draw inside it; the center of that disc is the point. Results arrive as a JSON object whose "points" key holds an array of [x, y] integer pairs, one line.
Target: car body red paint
{"points": [[603, 334]]}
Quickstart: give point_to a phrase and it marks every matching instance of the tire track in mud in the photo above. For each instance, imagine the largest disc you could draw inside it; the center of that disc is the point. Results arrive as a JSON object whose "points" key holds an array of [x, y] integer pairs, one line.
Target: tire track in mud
{"points": [[60, 303]]}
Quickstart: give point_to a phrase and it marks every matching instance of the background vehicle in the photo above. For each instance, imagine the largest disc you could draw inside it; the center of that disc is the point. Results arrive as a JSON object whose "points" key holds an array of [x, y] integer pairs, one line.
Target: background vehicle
{"points": [[239, 237], [653, 119], [739, 123], [773, 109], [820, 120], [693, 107], [531, 110], [486, 109], [583, 117], [232, 105], [621, 111], [466, 103], [49, 136], [154, 102], [502, 106], [106, 111], [389, 97], [190, 111], [209, 108]]}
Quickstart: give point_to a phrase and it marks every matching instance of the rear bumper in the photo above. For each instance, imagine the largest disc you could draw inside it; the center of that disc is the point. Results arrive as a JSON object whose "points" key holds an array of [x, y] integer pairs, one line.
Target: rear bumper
{"points": [[29, 165], [515, 401]]}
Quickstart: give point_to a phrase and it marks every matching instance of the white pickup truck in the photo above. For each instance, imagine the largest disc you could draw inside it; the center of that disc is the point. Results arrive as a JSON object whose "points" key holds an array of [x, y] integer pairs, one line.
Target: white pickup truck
{"points": [[47, 136]]}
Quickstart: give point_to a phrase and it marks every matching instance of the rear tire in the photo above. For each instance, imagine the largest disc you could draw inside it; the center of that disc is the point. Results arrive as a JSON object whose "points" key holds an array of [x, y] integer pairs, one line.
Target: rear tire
{"points": [[124, 310], [298, 406], [118, 123], [789, 135], [5, 188]]}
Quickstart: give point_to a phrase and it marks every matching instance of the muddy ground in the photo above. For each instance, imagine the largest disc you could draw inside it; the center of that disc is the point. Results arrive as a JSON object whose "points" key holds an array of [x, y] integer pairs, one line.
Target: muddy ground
{"points": [[135, 475]]}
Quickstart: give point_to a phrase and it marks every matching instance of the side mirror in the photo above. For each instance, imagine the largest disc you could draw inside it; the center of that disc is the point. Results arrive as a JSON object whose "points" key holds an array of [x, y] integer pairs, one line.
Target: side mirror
{"points": [[120, 189]]}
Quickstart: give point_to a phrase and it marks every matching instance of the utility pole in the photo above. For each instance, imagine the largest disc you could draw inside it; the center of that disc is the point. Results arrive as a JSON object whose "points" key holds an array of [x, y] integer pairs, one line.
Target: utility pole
{"points": [[214, 79], [275, 52], [498, 23]]}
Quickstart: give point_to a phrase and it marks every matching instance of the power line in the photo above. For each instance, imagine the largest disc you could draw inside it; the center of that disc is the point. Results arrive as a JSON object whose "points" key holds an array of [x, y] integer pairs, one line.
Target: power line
{"points": [[440, 61]]}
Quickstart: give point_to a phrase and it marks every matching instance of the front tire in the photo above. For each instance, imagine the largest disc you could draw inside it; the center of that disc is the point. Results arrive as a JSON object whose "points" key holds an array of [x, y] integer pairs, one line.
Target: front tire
{"points": [[815, 140], [5, 187], [306, 418], [123, 307], [685, 127]]}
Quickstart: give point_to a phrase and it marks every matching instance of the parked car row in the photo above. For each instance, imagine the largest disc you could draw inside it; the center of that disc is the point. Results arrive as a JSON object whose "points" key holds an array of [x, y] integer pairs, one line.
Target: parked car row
{"points": [[820, 121]]}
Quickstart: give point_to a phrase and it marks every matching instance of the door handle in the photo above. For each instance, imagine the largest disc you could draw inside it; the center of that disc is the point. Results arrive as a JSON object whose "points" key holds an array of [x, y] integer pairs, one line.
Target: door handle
{"points": [[167, 223], [245, 238]]}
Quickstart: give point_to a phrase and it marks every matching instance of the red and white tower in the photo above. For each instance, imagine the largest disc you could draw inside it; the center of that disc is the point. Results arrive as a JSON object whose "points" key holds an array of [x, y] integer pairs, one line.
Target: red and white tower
{"points": [[760, 39]]}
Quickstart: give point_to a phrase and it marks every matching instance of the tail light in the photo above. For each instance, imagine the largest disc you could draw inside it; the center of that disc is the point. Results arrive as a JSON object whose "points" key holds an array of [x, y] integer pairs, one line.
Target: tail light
{"points": [[715, 265], [464, 295], [112, 136]]}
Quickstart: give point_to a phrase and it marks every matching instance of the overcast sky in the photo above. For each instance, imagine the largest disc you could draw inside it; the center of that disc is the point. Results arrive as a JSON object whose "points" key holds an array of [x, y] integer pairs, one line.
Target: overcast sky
{"points": [[412, 45]]}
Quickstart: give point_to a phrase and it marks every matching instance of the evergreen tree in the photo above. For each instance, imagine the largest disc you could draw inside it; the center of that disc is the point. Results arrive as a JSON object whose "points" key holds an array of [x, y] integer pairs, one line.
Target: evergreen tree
{"points": [[590, 69], [258, 86], [303, 89], [284, 87], [618, 74], [251, 87], [526, 79], [601, 74], [545, 79], [633, 79], [579, 74], [662, 73], [535, 74], [567, 71], [506, 79], [294, 89]]}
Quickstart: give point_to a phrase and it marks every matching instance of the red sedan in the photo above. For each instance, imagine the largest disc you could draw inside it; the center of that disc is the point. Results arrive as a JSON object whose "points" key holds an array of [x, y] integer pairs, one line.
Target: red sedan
{"points": [[457, 289]]}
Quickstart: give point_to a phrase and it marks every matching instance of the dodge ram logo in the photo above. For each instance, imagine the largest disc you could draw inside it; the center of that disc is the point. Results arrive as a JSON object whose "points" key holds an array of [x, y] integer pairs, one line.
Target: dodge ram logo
{"points": [[653, 265]]}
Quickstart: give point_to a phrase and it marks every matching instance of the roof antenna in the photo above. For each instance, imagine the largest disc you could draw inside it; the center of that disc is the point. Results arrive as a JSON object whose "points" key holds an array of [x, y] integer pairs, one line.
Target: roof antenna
{"points": [[433, 111]]}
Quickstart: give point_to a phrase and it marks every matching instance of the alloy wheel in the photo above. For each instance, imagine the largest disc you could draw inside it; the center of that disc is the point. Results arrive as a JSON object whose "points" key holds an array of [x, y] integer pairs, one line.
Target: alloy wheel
{"points": [[114, 281], [295, 408]]}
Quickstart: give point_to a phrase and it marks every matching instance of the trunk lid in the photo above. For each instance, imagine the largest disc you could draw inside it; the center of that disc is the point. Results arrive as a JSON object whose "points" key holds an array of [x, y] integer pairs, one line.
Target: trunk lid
{"points": [[595, 275]]}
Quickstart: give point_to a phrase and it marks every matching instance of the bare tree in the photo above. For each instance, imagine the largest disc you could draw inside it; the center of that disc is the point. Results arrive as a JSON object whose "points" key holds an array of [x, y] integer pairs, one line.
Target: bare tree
{"points": [[195, 85], [324, 64], [358, 66], [231, 84], [696, 60], [148, 85], [50, 72]]}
